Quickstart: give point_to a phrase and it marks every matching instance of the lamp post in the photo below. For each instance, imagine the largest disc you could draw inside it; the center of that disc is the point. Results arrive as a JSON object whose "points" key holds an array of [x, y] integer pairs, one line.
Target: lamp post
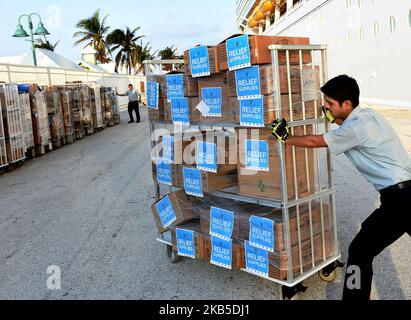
{"points": [[40, 31]]}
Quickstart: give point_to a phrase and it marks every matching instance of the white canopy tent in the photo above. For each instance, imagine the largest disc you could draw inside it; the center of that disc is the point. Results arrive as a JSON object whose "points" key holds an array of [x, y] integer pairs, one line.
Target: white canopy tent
{"points": [[45, 58]]}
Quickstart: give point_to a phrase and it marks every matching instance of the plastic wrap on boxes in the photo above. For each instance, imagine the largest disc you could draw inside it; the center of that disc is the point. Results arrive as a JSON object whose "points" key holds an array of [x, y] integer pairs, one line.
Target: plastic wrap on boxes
{"points": [[12, 121], [56, 117], [41, 128], [27, 122]]}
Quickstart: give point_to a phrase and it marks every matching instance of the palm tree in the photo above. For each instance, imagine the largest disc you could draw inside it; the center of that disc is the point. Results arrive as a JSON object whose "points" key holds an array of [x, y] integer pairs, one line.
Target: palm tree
{"points": [[45, 44], [125, 42], [139, 55], [170, 53], [93, 31]]}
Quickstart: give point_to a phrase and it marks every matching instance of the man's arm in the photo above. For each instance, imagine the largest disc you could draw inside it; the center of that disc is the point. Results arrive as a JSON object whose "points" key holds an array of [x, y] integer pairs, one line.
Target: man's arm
{"points": [[309, 141], [121, 94]]}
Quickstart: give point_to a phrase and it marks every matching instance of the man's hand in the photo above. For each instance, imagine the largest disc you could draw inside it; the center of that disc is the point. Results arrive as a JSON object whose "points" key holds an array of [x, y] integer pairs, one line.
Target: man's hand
{"points": [[280, 130]]}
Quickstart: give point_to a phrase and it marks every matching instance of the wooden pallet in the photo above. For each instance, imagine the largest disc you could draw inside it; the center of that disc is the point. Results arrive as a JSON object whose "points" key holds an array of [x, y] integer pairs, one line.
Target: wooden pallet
{"points": [[42, 150]]}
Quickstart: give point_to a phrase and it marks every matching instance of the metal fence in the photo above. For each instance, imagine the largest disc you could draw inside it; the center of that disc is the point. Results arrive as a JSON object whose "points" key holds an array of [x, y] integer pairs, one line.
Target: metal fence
{"points": [[50, 76]]}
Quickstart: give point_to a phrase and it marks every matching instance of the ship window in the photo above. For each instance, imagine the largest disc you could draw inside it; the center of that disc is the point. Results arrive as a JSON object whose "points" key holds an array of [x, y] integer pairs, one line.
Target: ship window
{"points": [[348, 5], [361, 33], [392, 24], [349, 36], [376, 29], [409, 18]]}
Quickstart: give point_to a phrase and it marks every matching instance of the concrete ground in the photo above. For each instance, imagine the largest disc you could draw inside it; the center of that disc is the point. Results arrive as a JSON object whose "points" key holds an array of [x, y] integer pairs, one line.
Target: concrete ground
{"points": [[86, 209]]}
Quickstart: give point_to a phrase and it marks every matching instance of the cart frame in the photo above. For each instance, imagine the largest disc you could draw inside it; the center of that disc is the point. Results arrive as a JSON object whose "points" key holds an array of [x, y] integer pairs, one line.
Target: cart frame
{"points": [[284, 203]]}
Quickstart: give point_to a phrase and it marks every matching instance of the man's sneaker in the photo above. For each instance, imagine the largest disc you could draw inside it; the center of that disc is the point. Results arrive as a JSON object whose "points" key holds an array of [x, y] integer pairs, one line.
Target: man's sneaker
{"points": [[131, 122]]}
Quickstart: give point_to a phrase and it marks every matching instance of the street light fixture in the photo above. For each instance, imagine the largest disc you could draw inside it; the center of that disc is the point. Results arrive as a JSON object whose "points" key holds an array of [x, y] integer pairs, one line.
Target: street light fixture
{"points": [[40, 31]]}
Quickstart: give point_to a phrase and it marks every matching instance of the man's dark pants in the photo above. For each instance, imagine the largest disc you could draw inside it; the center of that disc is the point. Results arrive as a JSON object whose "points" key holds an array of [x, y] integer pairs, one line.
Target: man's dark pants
{"points": [[382, 228], [134, 106]]}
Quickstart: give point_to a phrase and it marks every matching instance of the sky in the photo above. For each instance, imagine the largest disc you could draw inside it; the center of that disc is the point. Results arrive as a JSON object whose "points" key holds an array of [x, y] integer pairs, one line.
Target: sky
{"points": [[183, 23]]}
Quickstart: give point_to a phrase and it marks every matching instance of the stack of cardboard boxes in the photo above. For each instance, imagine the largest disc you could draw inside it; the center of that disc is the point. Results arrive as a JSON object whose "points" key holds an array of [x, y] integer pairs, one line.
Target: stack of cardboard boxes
{"points": [[220, 230], [56, 116], [24, 100], [12, 122]]}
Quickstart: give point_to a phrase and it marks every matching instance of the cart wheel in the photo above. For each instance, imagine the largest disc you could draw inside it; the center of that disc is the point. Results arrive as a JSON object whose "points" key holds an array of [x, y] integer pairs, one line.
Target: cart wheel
{"points": [[289, 293], [172, 255], [327, 277]]}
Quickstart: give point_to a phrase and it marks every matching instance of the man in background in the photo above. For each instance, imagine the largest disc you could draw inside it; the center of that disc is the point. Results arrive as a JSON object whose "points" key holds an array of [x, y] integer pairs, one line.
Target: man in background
{"points": [[134, 98]]}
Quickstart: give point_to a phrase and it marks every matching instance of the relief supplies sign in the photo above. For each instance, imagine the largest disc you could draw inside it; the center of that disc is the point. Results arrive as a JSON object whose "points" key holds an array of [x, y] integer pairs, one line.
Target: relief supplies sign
{"points": [[256, 155], [152, 95], [252, 113], [206, 156], [256, 259], [221, 252], [185, 243], [238, 53], [248, 83], [175, 86], [163, 171], [212, 97], [179, 111], [168, 148], [192, 182], [262, 233], [166, 212], [199, 62], [221, 223]]}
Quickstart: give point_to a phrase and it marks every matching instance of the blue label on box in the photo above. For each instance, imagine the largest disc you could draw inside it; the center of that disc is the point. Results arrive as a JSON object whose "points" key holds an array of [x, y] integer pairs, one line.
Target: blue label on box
{"points": [[179, 111], [207, 156], [199, 62], [256, 155], [238, 53], [256, 259], [221, 223], [175, 86], [252, 112], [213, 98], [164, 172], [192, 182], [166, 212], [185, 243], [152, 95], [248, 83], [221, 253], [262, 233], [168, 148]]}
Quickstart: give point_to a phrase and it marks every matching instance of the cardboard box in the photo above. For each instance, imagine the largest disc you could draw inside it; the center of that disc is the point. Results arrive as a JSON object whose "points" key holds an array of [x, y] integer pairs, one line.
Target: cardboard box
{"points": [[243, 212], [219, 80], [192, 225], [271, 111], [174, 175], [211, 182], [305, 82], [278, 261], [182, 208], [237, 261], [213, 59], [157, 114], [161, 80], [267, 184], [259, 52]]}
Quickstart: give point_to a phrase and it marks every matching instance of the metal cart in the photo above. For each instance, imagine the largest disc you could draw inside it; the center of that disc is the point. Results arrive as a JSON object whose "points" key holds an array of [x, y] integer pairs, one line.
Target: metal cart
{"points": [[292, 57], [12, 120]]}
